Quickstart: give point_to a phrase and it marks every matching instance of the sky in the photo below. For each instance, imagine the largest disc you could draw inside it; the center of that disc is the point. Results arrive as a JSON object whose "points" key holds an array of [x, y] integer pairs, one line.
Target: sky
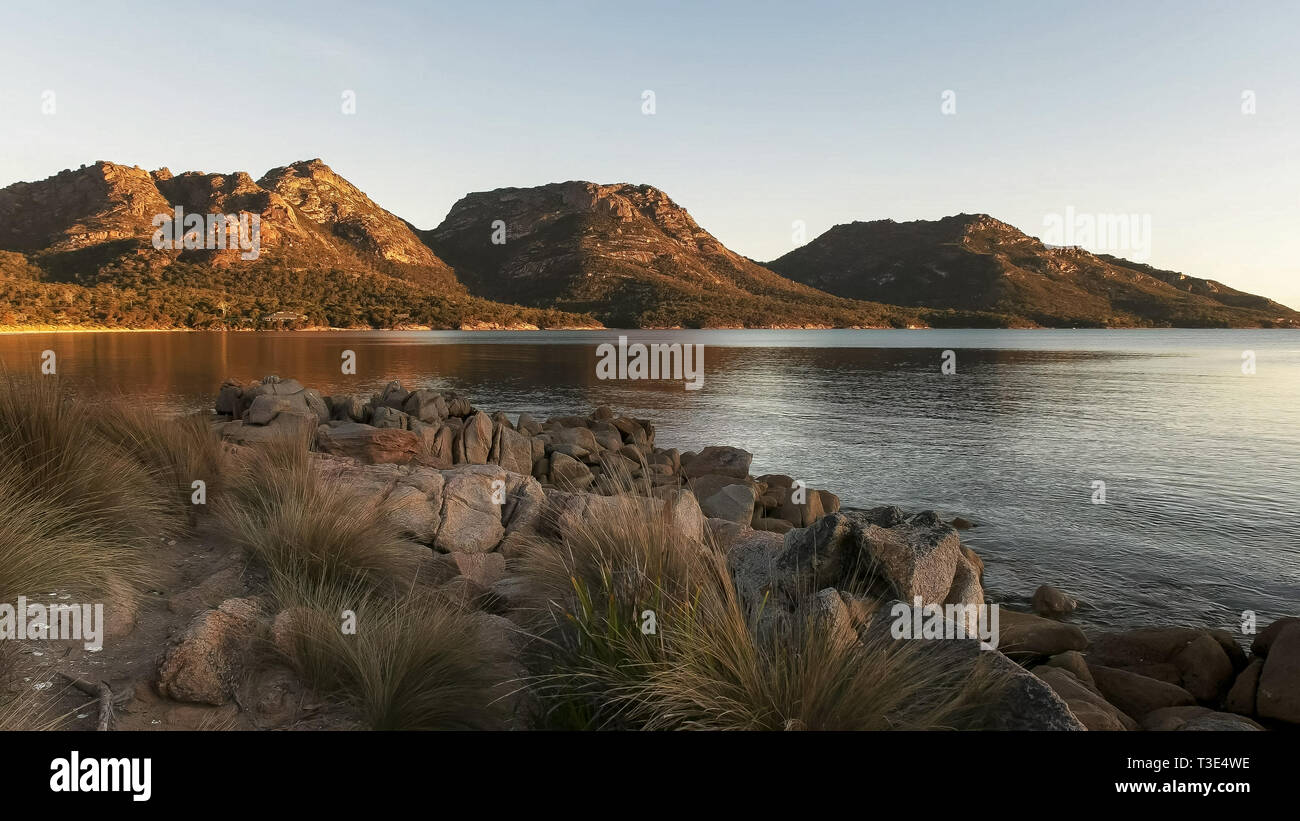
{"points": [[766, 116]]}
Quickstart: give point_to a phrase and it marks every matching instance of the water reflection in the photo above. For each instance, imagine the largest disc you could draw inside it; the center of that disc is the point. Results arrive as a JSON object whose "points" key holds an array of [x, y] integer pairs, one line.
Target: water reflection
{"points": [[1199, 459]]}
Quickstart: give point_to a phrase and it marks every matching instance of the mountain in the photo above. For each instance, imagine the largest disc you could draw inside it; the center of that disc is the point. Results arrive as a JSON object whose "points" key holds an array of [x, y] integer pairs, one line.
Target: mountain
{"points": [[82, 248], [977, 263], [326, 252], [628, 255]]}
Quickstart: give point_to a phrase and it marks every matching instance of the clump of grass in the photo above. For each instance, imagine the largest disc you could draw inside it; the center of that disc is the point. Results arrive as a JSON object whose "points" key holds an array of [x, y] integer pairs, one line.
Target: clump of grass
{"points": [[47, 544], [809, 678], [309, 532], [417, 661], [79, 511], [54, 440], [178, 450], [708, 665]]}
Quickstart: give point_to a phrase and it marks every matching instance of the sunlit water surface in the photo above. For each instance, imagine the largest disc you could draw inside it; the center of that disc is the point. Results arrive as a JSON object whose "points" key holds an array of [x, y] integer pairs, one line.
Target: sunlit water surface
{"points": [[1198, 458]]}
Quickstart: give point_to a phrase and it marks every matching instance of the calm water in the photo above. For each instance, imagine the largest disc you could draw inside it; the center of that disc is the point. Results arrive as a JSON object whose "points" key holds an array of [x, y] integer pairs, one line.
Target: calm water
{"points": [[1199, 459]]}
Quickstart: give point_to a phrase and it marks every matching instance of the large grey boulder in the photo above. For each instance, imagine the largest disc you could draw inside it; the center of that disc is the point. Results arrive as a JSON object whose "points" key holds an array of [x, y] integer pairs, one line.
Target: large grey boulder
{"points": [[471, 511], [915, 555]]}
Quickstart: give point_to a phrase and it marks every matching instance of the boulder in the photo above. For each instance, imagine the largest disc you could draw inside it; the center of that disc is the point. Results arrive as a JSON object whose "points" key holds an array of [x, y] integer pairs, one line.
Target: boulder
{"points": [[265, 408], [1073, 661], [458, 405], [1278, 696], [734, 503], [722, 461], [476, 439], [684, 511], [282, 426], [710, 484], [801, 514], [425, 405], [1188, 657], [385, 416], [393, 396], [484, 569], [528, 425], [918, 555], [578, 437], [525, 504], [228, 397], [1087, 705], [1050, 602], [966, 585], [1241, 698], [1260, 646], [349, 407], [1135, 694], [414, 513], [909, 556], [606, 436], [269, 386], [773, 525], [1027, 703], [471, 517], [568, 473], [367, 444], [513, 450], [1195, 718], [1025, 633], [204, 666]]}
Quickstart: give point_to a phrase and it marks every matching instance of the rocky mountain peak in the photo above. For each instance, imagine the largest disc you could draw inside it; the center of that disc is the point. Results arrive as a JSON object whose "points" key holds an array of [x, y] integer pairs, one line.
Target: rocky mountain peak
{"points": [[313, 189], [102, 202]]}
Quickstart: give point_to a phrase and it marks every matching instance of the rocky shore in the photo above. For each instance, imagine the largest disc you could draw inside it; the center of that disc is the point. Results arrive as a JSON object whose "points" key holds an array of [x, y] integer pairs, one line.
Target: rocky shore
{"points": [[472, 488]]}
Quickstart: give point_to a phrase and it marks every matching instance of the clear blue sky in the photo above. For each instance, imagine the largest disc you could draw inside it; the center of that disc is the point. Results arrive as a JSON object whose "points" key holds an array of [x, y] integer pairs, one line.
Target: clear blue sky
{"points": [[766, 113]]}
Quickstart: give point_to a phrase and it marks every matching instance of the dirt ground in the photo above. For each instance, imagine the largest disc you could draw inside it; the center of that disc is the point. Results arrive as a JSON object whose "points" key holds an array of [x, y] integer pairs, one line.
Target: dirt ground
{"points": [[195, 574]]}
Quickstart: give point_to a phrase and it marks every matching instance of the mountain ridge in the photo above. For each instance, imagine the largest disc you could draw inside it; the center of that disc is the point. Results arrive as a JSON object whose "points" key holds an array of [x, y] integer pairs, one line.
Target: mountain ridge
{"points": [[75, 248], [978, 262]]}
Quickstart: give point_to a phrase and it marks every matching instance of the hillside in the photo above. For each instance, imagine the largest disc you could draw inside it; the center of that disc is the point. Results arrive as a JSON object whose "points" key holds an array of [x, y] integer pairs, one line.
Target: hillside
{"points": [[630, 256], [77, 248], [977, 263]]}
